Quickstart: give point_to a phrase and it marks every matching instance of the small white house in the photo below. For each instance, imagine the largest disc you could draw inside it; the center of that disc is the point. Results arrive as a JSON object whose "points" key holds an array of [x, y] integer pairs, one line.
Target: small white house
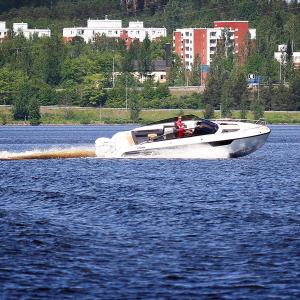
{"points": [[3, 30], [280, 56]]}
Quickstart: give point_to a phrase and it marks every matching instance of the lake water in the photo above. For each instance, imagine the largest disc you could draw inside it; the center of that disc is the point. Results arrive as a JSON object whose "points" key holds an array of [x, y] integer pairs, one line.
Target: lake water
{"points": [[148, 228]]}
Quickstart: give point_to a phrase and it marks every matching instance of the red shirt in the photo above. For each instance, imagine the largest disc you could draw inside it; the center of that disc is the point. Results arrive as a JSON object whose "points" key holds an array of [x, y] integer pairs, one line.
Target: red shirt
{"points": [[179, 124]]}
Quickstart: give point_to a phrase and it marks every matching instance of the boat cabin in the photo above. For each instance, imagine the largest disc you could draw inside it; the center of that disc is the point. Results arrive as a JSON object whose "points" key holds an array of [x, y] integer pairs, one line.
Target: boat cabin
{"points": [[166, 129]]}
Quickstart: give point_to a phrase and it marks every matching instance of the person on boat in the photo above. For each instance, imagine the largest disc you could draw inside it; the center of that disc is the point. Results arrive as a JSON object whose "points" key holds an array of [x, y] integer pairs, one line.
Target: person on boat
{"points": [[180, 128]]}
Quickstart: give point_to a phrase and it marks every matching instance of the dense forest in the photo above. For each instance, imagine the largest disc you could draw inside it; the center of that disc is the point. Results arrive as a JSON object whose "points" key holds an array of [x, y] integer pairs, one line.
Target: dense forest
{"points": [[46, 71]]}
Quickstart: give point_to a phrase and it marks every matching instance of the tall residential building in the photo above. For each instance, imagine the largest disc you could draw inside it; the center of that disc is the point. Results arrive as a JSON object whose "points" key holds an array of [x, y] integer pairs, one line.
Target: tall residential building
{"points": [[202, 42], [113, 29], [23, 28], [3, 31]]}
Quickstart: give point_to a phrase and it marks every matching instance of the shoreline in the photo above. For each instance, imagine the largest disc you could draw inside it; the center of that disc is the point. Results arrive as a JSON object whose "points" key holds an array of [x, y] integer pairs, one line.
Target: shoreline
{"points": [[93, 116]]}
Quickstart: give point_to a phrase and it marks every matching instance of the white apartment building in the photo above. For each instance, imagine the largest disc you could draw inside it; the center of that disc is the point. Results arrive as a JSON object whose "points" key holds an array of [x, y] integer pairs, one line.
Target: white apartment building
{"points": [[201, 42], [23, 28], [280, 56], [114, 29], [3, 30]]}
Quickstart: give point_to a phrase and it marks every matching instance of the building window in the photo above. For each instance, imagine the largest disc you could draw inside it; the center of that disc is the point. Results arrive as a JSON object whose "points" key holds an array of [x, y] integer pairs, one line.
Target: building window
{"points": [[187, 56], [138, 32], [116, 32], [187, 49]]}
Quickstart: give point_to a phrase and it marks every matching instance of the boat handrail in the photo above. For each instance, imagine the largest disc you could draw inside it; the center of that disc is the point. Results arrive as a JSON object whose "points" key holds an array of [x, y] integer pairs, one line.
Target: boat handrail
{"points": [[260, 121]]}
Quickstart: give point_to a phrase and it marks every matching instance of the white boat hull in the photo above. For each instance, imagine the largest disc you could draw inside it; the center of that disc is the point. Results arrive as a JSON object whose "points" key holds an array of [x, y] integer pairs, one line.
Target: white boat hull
{"points": [[225, 143], [202, 150]]}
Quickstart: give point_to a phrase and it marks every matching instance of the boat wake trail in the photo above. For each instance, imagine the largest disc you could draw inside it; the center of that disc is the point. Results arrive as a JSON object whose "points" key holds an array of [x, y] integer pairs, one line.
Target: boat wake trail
{"points": [[49, 154]]}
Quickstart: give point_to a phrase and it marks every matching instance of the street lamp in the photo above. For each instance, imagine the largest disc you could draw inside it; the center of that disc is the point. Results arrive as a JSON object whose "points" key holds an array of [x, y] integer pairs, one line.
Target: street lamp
{"points": [[126, 94], [113, 69]]}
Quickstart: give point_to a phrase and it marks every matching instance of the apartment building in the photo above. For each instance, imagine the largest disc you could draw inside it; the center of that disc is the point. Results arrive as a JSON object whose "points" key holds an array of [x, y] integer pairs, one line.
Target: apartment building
{"points": [[281, 54], [202, 42], [113, 29], [28, 33]]}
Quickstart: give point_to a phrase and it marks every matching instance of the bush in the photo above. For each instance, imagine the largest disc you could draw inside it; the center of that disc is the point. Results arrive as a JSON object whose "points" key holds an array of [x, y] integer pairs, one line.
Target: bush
{"points": [[3, 118]]}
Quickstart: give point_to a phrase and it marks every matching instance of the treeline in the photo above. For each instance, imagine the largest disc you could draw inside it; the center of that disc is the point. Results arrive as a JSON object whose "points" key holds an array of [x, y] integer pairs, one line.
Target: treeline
{"points": [[227, 86], [48, 72]]}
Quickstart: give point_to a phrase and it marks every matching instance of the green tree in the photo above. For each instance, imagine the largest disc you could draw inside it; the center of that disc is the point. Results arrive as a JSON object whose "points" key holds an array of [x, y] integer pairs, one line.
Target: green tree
{"points": [[10, 84], [54, 59], [209, 111], [145, 61], [176, 76], [257, 108], [162, 91], [134, 106], [20, 107], [195, 74], [226, 100], [295, 92], [92, 90], [148, 92], [215, 79], [34, 114], [76, 69], [243, 109]]}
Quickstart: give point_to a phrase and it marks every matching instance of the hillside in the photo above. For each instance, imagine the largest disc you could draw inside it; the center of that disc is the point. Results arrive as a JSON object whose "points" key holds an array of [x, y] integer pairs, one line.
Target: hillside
{"points": [[276, 21], [81, 74]]}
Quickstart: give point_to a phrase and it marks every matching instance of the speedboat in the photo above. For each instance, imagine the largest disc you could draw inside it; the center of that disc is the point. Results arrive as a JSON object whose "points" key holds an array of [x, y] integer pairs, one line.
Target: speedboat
{"points": [[202, 138]]}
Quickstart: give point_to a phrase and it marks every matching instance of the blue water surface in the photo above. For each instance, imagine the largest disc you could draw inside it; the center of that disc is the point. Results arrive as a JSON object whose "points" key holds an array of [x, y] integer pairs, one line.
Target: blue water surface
{"points": [[148, 228]]}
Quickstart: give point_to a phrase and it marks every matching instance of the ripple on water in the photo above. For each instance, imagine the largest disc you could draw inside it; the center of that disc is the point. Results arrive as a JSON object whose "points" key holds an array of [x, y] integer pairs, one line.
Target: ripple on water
{"points": [[170, 229]]}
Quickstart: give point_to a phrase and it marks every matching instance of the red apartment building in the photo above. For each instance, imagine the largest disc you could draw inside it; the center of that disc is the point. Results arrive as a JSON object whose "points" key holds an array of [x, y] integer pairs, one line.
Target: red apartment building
{"points": [[202, 42]]}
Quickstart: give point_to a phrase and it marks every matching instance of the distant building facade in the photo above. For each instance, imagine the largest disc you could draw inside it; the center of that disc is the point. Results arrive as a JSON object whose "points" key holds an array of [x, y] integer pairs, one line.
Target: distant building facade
{"points": [[281, 54], [3, 31], [202, 42], [28, 33], [113, 29]]}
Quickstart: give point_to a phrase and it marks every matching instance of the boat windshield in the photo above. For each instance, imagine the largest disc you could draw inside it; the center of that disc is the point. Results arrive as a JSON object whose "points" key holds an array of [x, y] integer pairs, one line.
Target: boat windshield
{"points": [[205, 127], [174, 119]]}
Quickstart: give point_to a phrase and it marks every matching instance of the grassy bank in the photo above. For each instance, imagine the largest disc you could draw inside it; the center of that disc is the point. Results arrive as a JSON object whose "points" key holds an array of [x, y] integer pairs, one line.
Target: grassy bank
{"points": [[72, 115]]}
